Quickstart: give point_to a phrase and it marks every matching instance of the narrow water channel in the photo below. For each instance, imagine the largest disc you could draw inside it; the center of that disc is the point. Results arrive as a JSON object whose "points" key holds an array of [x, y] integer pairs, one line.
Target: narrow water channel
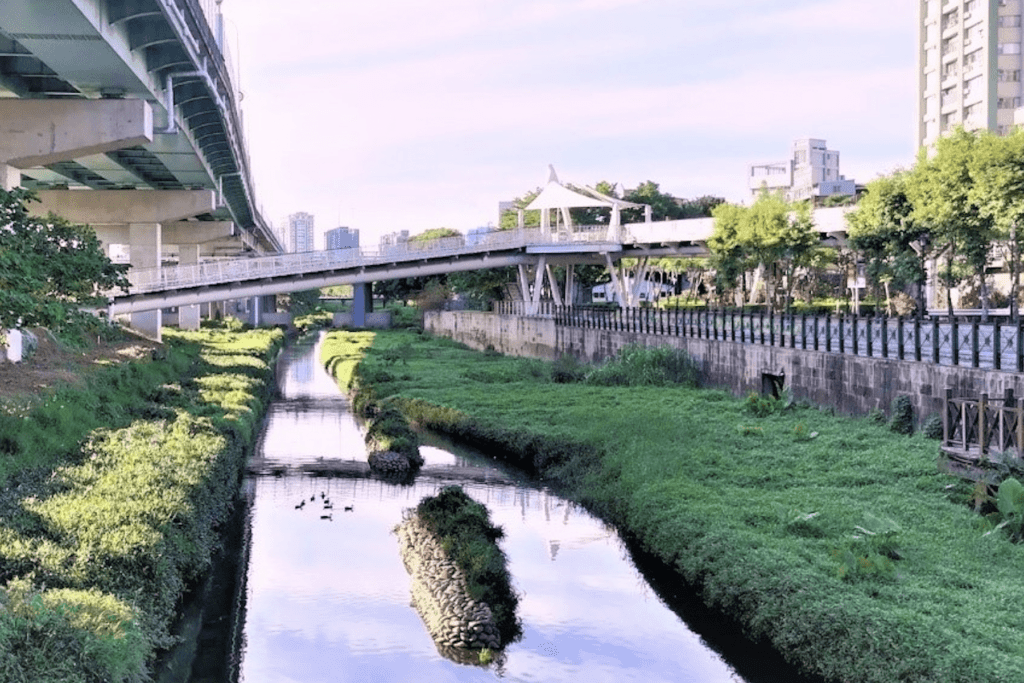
{"points": [[325, 598]]}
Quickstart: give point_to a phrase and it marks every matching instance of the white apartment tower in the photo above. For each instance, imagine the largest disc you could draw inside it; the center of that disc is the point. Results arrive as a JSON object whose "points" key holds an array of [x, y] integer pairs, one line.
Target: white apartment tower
{"points": [[811, 171], [300, 232], [969, 57]]}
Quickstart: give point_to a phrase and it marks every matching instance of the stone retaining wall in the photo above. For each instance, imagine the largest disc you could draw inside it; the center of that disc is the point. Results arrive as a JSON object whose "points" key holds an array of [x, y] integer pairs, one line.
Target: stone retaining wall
{"points": [[853, 385], [452, 617]]}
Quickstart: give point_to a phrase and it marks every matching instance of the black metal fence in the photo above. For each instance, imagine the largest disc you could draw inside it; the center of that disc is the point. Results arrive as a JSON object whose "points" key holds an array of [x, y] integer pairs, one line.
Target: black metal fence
{"points": [[967, 343]]}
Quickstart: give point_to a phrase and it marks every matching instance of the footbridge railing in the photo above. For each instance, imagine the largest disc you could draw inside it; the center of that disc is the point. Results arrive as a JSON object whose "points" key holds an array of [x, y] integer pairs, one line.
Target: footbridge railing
{"points": [[232, 270]]}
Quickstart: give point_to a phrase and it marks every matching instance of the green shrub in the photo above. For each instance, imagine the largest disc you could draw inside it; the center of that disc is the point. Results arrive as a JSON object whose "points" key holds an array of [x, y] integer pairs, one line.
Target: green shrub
{"points": [[1009, 512], [636, 365], [902, 421], [932, 427], [761, 406], [123, 514], [567, 369]]}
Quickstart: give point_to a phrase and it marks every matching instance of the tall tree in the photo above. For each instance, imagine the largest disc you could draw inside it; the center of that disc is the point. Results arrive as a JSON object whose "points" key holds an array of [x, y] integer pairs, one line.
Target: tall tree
{"points": [[49, 268], [895, 245], [998, 189], [941, 190], [728, 255]]}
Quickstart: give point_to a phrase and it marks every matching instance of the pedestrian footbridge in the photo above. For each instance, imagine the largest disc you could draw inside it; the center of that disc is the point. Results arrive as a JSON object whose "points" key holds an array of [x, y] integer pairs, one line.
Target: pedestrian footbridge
{"points": [[533, 251]]}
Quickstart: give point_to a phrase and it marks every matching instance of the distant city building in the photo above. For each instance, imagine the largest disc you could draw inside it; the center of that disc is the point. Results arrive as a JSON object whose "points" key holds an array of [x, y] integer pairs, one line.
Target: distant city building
{"points": [[392, 240], [476, 235], [969, 67], [342, 238], [300, 232], [811, 172]]}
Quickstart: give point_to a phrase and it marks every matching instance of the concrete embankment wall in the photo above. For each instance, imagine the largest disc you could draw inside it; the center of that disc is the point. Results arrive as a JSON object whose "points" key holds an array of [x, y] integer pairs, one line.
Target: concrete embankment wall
{"points": [[853, 385]]}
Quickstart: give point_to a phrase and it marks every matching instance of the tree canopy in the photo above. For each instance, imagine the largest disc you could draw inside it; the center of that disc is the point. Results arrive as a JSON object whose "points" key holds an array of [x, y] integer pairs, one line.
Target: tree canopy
{"points": [[49, 267], [776, 237]]}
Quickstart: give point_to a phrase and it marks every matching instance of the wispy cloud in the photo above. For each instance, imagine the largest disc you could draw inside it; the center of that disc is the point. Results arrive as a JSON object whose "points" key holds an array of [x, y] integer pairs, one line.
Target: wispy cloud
{"points": [[347, 101]]}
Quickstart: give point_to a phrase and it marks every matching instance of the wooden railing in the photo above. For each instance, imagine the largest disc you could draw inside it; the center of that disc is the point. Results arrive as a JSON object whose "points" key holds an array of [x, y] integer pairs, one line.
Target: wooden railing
{"points": [[983, 426]]}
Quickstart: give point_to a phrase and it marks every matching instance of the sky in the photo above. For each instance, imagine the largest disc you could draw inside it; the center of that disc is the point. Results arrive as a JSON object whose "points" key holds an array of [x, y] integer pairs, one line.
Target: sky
{"points": [[391, 115]]}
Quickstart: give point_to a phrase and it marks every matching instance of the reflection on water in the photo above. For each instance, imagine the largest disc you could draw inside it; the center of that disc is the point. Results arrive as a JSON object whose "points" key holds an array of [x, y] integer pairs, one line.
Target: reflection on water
{"points": [[328, 599]]}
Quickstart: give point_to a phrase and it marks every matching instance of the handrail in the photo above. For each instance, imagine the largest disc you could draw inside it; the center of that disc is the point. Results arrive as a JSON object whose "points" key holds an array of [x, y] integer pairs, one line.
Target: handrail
{"points": [[216, 272]]}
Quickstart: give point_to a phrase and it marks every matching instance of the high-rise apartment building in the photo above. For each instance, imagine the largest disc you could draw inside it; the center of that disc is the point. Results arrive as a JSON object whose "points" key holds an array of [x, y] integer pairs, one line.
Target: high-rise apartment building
{"points": [[969, 57], [300, 232]]}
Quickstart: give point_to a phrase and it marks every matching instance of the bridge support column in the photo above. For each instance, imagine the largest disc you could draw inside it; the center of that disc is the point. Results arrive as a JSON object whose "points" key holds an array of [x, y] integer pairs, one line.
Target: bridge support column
{"points": [[188, 316], [10, 177], [144, 242], [136, 215], [362, 303]]}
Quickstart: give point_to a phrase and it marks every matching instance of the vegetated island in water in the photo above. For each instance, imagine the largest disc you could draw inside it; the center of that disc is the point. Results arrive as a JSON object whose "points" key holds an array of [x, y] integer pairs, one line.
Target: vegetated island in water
{"points": [[460, 582]]}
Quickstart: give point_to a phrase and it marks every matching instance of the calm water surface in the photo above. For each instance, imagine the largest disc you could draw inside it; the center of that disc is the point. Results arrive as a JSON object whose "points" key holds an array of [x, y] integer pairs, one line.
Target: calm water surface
{"points": [[327, 599]]}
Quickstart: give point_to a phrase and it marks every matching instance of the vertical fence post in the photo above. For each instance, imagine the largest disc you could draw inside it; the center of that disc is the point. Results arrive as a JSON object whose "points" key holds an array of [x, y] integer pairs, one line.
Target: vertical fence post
{"points": [[975, 351], [732, 324], [917, 337], [816, 318], [935, 341], [828, 332], [1009, 403], [856, 337], [1020, 346], [842, 336], [885, 337], [947, 405], [997, 345], [900, 345], [955, 341], [870, 337], [982, 426]]}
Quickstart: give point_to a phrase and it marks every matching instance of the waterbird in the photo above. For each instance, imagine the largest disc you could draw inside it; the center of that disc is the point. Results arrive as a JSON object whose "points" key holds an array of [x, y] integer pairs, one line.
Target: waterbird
{"points": [[325, 516], [328, 506], [348, 508], [302, 503], [312, 498]]}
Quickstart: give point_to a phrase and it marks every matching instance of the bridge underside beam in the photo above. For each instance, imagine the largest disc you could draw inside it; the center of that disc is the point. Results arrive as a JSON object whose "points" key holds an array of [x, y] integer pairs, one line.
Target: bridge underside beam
{"points": [[46, 131], [120, 207]]}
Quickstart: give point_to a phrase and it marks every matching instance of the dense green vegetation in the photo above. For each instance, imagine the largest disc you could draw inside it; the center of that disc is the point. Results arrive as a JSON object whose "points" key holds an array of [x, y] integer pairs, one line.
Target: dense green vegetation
{"points": [[112, 496], [834, 539], [49, 269], [468, 537]]}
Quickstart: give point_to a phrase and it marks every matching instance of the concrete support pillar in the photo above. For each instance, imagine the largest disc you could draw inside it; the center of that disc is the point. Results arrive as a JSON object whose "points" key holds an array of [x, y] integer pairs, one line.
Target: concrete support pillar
{"points": [[188, 316], [255, 311], [10, 177], [362, 303], [144, 241]]}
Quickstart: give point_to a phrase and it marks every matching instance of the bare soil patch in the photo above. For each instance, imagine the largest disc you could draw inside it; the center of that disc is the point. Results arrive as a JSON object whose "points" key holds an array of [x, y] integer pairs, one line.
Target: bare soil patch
{"points": [[53, 364]]}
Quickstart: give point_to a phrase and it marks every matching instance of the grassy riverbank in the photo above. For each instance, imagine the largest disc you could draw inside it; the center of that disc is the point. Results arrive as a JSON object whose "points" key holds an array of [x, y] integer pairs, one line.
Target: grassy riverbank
{"points": [[833, 539], [112, 493]]}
